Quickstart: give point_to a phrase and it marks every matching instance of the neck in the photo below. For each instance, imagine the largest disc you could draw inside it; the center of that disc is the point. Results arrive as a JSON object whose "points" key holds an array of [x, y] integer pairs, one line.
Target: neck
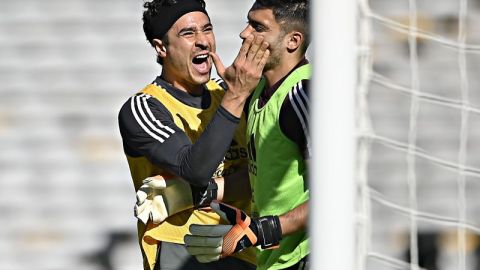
{"points": [[272, 76], [182, 85]]}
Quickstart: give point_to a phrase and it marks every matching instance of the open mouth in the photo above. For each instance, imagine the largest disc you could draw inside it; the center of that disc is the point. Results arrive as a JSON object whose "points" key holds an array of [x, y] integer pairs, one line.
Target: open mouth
{"points": [[200, 63]]}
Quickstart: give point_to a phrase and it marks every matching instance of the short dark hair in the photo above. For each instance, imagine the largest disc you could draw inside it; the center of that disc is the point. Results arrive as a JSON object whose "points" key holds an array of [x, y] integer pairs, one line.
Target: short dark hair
{"points": [[290, 14], [152, 10]]}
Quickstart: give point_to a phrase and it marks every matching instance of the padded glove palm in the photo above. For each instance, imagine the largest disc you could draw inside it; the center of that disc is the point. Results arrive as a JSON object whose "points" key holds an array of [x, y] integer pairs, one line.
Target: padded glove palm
{"points": [[159, 198], [211, 242]]}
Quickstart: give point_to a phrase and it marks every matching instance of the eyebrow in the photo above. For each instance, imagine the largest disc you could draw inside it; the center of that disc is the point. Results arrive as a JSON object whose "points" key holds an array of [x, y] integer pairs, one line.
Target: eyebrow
{"points": [[253, 22], [194, 28]]}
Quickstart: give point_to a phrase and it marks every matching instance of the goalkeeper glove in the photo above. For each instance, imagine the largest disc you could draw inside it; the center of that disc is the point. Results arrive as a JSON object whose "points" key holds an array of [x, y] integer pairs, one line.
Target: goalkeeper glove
{"points": [[159, 198], [211, 242]]}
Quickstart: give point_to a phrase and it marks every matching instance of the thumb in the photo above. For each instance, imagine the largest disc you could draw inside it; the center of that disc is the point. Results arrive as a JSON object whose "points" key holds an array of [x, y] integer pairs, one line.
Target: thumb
{"points": [[218, 64], [156, 183], [159, 212], [142, 195], [143, 212], [225, 211]]}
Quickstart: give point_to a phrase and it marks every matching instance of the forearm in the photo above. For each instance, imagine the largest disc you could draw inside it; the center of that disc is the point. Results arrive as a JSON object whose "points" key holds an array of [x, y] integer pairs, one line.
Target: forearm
{"points": [[166, 145], [235, 186], [294, 220], [196, 163], [179, 195], [234, 102]]}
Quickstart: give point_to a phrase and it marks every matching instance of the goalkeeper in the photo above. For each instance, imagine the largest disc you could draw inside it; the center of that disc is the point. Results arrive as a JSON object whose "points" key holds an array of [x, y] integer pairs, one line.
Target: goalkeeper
{"points": [[182, 125], [277, 144]]}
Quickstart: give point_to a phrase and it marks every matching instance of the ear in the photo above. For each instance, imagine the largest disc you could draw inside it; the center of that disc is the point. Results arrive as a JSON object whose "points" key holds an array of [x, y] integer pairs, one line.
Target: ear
{"points": [[294, 40], [159, 48]]}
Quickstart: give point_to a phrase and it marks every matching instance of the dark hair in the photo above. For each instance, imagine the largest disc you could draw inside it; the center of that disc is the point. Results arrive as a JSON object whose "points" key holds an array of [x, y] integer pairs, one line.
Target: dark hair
{"points": [[152, 10], [290, 14]]}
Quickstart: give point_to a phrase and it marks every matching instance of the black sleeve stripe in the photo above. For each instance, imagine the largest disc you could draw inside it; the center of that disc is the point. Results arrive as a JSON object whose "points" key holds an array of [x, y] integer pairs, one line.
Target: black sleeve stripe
{"points": [[218, 80], [300, 104], [221, 82], [136, 106]]}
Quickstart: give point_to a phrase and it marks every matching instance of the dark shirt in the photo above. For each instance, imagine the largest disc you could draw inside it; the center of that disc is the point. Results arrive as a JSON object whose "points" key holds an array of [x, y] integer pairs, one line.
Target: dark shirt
{"points": [[294, 114], [194, 162]]}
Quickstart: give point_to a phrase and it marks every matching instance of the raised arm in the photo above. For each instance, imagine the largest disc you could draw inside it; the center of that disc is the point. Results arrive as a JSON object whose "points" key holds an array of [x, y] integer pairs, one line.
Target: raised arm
{"points": [[149, 129]]}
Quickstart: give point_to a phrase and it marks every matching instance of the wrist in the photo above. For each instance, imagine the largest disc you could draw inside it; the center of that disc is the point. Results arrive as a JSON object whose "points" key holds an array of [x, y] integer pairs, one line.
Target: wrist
{"points": [[203, 196], [233, 103], [268, 231]]}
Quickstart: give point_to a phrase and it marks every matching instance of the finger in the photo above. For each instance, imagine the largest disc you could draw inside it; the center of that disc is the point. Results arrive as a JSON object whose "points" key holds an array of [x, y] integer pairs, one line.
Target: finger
{"points": [[148, 180], [157, 177], [139, 208], [141, 196], [145, 214], [203, 241], [209, 230], [195, 251], [254, 49], [157, 183], [225, 211], [242, 54], [215, 205], [155, 217], [261, 51], [207, 258], [159, 211], [143, 192], [218, 64], [136, 211], [264, 60]]}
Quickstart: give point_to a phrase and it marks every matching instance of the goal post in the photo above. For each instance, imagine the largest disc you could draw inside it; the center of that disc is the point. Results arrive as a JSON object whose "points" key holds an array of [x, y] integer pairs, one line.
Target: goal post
{"points": [[332, 179]]}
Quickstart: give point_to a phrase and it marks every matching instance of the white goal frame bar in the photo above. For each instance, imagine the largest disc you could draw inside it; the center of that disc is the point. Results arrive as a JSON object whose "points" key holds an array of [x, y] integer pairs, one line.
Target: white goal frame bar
{"points": [[332, 179]]}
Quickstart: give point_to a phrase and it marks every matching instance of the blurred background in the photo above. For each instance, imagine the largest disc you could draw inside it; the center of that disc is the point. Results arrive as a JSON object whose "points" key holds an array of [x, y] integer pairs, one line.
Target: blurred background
{"points": [[66, 67], [420, 133]]}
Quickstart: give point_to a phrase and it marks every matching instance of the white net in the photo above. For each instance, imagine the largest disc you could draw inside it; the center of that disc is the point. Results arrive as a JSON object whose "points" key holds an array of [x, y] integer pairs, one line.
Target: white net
{"points": [[419, 135]]}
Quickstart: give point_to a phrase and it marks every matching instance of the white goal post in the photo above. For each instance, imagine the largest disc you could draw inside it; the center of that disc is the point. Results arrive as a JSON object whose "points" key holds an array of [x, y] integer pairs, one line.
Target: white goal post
{"points": [[334, 51]]}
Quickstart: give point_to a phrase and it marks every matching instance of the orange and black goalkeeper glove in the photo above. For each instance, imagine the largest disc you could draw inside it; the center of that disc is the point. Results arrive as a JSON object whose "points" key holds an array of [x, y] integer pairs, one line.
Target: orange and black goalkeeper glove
{"points": [[211, 242]]}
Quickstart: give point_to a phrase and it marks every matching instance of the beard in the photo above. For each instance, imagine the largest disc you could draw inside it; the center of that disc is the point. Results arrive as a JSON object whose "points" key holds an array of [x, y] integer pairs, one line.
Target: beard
{"points": [[275, 53], [272, 62]]}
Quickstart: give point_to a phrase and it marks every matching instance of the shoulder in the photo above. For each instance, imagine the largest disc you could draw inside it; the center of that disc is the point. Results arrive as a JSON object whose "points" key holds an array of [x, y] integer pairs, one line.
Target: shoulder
{"points": [[140, 110], [217, 84], [298, 97], [296, 106], [294, 116]]}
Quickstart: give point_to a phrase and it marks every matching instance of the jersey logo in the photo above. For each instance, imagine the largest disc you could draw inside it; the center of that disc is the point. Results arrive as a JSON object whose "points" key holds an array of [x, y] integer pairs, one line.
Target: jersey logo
{"points": [[236, 151], [252, 155]]}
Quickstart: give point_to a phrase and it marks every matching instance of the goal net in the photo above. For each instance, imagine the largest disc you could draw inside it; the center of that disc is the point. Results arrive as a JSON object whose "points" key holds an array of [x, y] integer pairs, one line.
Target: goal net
{"points": [[418, 135]]}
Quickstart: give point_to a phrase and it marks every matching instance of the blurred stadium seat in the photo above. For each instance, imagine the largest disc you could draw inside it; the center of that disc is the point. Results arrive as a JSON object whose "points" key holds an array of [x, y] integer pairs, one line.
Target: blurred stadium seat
{"points": [[66, 198]]}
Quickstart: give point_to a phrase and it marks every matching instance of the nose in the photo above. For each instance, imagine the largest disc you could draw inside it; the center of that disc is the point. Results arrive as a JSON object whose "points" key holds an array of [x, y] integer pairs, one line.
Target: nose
{"points": [[246, 32], [201, 40]]}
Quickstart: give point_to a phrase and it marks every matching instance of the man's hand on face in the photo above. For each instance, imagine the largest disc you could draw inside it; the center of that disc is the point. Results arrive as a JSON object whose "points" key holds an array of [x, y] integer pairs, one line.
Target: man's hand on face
{"points": [[244, 74]]}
